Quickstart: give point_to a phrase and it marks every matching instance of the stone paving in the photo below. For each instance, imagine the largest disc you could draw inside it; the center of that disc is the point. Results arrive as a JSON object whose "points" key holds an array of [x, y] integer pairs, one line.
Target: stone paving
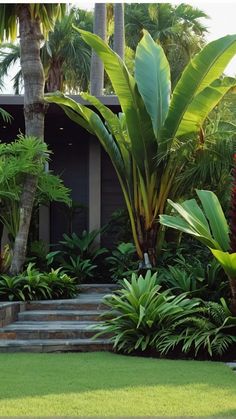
{"points": [[58, 325]]}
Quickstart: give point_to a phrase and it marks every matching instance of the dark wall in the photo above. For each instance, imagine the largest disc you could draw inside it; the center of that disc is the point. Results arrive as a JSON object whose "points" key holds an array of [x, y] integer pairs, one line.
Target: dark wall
{"points": [[70, 146], [111, 195]]}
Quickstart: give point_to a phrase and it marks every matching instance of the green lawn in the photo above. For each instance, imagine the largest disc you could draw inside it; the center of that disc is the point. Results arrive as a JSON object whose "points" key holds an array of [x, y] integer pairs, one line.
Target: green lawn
{"points": [[103, 384]]}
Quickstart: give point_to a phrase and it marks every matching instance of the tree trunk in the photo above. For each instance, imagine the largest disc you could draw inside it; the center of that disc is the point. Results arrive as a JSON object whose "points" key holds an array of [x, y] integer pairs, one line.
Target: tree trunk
{"points": [[34, 112], [55, 77], [119, 30], [97, 67]]}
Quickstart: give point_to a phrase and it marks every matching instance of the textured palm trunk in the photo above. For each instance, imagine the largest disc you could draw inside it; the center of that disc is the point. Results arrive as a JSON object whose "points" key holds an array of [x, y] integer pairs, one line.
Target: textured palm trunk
{"points": [[97, 67], [119, 30], [55, 77], [34, 112]]}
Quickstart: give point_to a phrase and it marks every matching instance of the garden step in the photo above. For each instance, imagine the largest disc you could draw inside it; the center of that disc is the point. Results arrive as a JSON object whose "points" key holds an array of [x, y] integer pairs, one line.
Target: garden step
{"points": [[55, 345], [49, 330], [98, 288], [82, 302], [59, 315]]}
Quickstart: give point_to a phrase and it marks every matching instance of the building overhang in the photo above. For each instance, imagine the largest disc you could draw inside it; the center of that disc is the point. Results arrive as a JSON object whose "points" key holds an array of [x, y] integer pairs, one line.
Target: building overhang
{"points": [[13, 100]]}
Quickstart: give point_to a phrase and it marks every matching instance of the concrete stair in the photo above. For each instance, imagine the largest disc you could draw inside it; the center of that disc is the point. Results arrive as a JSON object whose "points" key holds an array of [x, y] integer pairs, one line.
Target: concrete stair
{"points": [[59, 325]]}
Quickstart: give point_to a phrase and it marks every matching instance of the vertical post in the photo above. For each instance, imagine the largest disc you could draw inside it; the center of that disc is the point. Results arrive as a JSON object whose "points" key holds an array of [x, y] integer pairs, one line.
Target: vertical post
{"points": [[94, 185], [119, 29], [44, 220], [97, 67], [44, 224]]}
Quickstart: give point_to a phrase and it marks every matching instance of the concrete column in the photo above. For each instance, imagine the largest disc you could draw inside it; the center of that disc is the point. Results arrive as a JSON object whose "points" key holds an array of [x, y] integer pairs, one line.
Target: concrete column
{"points": [[44, 224], [44, 219], [94, 184]]}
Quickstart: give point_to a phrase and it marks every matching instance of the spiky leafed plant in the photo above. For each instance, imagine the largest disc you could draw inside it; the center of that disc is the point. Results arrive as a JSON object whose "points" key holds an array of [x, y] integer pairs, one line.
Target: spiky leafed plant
{"points": [[148, 141], [35, 20]]}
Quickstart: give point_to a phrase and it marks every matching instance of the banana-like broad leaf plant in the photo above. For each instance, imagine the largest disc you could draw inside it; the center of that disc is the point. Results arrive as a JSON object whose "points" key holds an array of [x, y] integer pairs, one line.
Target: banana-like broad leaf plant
{"points": [[147, 142], [208, 225]]}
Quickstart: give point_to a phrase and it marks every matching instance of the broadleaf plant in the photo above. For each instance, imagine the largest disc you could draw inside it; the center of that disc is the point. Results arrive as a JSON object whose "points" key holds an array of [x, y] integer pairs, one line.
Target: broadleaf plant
{"points": [[214, 232], [148, 142]]}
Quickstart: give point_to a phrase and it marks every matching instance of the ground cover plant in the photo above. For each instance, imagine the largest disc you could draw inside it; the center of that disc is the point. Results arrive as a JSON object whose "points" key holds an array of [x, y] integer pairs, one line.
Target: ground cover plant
{"points": [[103, 384]]}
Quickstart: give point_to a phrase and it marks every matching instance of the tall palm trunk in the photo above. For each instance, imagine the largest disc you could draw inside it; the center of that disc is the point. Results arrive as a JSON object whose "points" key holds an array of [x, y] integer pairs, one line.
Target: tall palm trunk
{"points": [[34, 111], [97, 67], [119, 29]]}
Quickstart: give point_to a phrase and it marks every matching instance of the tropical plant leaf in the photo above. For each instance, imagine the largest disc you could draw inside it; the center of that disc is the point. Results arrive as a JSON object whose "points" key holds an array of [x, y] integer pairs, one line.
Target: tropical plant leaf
{"points": [[154, 88], [203, 104], [227, 261], [201, 72], [137, 119], [216, 218]]}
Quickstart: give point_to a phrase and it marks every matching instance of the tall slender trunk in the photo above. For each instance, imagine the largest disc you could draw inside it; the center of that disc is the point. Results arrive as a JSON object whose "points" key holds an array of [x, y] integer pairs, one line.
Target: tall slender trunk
{"points": [[97, 67], [119, 29], [34, 112]]}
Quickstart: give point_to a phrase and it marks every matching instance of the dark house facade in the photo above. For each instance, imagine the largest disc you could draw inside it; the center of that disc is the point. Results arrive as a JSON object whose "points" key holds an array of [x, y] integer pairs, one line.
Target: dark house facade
{"points": [[84, 167]]}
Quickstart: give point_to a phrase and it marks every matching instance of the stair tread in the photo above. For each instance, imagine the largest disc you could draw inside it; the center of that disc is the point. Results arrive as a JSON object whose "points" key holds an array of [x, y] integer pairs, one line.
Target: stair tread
{"points": [[97, 285], [81, 298], [62, 312], [29, 342], [49, 325]]}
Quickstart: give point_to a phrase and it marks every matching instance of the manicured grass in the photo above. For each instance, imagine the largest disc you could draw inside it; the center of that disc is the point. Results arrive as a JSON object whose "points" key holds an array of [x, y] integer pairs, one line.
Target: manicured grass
{"points": [[103, 384]]}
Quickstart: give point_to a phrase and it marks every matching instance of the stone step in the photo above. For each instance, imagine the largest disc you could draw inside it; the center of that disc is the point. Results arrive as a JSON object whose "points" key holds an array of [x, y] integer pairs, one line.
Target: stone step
{"points": [[98, 288], [49, 330], [59, 315], [91, 301], [55, 345]]}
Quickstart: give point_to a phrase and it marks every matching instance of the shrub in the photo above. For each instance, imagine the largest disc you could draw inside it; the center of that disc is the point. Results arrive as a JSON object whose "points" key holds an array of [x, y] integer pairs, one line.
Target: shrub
{"points": [[61, 285], [11, 288], [139, 309], [206, 281], [35, 285], [211, 331], [122, 262], [142, 317], [79, 254]]}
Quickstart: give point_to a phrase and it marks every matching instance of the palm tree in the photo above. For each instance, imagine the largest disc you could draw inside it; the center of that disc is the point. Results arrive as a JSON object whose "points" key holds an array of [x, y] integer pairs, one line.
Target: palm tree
{"points": [[65, 56], [176, 28], [148, 142], [35, 21], [119, 30], [97, 67]]}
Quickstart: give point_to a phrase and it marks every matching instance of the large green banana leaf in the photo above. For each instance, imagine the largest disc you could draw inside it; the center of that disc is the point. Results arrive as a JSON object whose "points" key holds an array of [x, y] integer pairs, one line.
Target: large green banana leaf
{"points": [[139, 123], [203, 104], [208, 225], [154, 84], [95, 124], [115, 128], [201, 72]]}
